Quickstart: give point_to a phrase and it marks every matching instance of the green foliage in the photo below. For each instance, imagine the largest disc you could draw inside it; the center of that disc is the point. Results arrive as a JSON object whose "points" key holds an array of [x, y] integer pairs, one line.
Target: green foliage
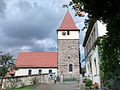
{"points": [[100, 9], [108, 70], [3, 71], [7, 61], [88, 82], [107, 11], [107, 84], [100, 42]]}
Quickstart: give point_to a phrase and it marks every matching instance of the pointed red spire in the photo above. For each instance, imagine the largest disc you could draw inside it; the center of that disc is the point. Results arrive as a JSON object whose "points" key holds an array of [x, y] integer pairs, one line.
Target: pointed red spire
{"points": [[68, 23]]}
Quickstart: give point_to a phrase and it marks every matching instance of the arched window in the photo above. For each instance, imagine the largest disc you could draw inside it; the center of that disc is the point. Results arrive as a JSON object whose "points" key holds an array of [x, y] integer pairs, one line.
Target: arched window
{"points": [[40, 71], [50, 71], [29, 72], [95, 66], [70, 68], [90, 67]]}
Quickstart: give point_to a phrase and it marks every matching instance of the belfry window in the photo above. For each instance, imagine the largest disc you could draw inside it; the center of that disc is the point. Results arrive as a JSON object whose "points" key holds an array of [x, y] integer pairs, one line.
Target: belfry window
{"points": [[68, 32], [70, 68]]}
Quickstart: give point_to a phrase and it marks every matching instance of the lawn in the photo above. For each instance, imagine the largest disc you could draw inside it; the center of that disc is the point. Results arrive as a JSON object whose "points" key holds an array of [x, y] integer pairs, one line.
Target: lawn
{"points": [[23, 88]]}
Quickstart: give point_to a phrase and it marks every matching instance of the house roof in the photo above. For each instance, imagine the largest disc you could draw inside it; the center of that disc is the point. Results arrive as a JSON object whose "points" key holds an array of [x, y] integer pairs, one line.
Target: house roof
{"points": [[91, 24], [37, 59], [68, 23]]}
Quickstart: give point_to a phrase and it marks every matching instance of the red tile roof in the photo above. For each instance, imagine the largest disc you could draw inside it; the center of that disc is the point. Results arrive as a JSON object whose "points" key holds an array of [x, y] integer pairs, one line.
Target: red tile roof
{"points": [[37, 59], [68, 23]]}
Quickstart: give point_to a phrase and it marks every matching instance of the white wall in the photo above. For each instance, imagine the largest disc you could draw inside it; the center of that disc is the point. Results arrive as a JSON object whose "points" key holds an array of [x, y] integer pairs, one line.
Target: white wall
{"points": [[23, 71], [99, 29], [73, 35], [94, 75]]}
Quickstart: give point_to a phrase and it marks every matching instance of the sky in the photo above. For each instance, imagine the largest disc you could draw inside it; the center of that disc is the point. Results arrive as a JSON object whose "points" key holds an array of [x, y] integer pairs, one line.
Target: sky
{"points": [[30, 25]]}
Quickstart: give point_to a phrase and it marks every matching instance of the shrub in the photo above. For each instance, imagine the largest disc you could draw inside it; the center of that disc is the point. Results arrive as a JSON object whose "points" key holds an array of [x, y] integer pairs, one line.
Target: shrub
{"points": [[105, 83], [88, 82]]}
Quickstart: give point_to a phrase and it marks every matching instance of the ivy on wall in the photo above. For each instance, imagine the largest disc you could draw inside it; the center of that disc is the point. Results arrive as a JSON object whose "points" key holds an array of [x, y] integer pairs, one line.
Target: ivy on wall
{"points": [[109, 61]]}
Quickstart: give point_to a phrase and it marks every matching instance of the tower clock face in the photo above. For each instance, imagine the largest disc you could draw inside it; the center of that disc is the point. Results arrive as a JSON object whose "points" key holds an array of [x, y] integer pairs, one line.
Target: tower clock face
{"points": [[63, 33]]}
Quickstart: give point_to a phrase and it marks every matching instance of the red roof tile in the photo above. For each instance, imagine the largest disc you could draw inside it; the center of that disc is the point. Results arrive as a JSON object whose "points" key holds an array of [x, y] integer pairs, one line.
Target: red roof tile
{"points": [[37, 59], [68, 23]]}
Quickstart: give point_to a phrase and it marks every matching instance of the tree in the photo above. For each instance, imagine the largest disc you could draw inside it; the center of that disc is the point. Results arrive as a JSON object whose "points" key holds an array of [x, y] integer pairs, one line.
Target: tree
{"points": [[107, 11], [7, 61]]}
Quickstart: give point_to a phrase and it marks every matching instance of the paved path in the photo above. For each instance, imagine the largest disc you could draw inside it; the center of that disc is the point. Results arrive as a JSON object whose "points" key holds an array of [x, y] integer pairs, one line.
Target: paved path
{"points": [[58, 86]]}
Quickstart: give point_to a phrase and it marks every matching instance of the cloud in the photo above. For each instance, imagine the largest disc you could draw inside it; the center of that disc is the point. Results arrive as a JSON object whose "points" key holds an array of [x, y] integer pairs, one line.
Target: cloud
{"points": [[25, 48], [47, 44], [2, 7], [30, 25]]}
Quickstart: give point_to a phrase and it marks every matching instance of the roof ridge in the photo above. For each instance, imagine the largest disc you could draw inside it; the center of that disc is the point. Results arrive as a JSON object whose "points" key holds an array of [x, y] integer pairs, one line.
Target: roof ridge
{"points": [[39, 52]]}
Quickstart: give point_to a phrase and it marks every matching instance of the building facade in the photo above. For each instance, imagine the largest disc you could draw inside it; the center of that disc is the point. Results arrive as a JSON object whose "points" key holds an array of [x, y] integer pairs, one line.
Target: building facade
{"points": [[68, 48], [66, 61], [92, 60], [31, 63]]}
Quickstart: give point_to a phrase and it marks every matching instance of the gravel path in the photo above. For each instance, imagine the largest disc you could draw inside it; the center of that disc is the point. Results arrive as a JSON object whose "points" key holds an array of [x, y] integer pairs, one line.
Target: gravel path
{"points": [[58, 86]]}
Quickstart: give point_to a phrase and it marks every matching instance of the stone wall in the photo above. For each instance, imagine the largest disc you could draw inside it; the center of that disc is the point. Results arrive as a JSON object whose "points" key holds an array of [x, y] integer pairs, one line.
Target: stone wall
{"points": [[20, 81], [68, 53]]}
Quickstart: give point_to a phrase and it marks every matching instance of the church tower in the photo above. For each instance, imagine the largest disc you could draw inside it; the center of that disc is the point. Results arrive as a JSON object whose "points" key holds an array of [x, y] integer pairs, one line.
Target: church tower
{"points": [[68, 48]]}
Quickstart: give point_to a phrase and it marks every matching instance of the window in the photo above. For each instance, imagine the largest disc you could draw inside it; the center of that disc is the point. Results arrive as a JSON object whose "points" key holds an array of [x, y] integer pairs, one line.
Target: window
{"points": [[90, 43], [95, 66], [29, 72], [68, 57], [40, 72], [63, 33], [87, 49], [50, 71], [68, 32], [90, 67], [94, 35], [92, 38], [70, 68], [68, 46]]}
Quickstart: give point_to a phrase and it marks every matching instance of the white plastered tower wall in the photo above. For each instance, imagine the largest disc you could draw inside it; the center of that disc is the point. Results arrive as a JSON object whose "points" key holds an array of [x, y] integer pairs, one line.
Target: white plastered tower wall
{"points": [[91, 52], [73, 35]]}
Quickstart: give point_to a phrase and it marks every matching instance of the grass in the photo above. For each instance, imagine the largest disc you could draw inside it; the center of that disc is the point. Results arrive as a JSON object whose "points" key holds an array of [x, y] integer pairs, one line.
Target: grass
{"points": [[22, 88]]}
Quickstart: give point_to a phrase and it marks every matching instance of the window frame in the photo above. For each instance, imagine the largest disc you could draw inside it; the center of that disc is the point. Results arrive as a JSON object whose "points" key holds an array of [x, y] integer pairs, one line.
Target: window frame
{"points": [[95, 63], [39, 71], [68, 32], [29, 72], [70, 68], [50, 70]]}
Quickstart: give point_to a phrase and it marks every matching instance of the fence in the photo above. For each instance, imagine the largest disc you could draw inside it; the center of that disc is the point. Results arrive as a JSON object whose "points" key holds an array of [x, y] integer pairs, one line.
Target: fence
{"points": [[20, 81]]}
